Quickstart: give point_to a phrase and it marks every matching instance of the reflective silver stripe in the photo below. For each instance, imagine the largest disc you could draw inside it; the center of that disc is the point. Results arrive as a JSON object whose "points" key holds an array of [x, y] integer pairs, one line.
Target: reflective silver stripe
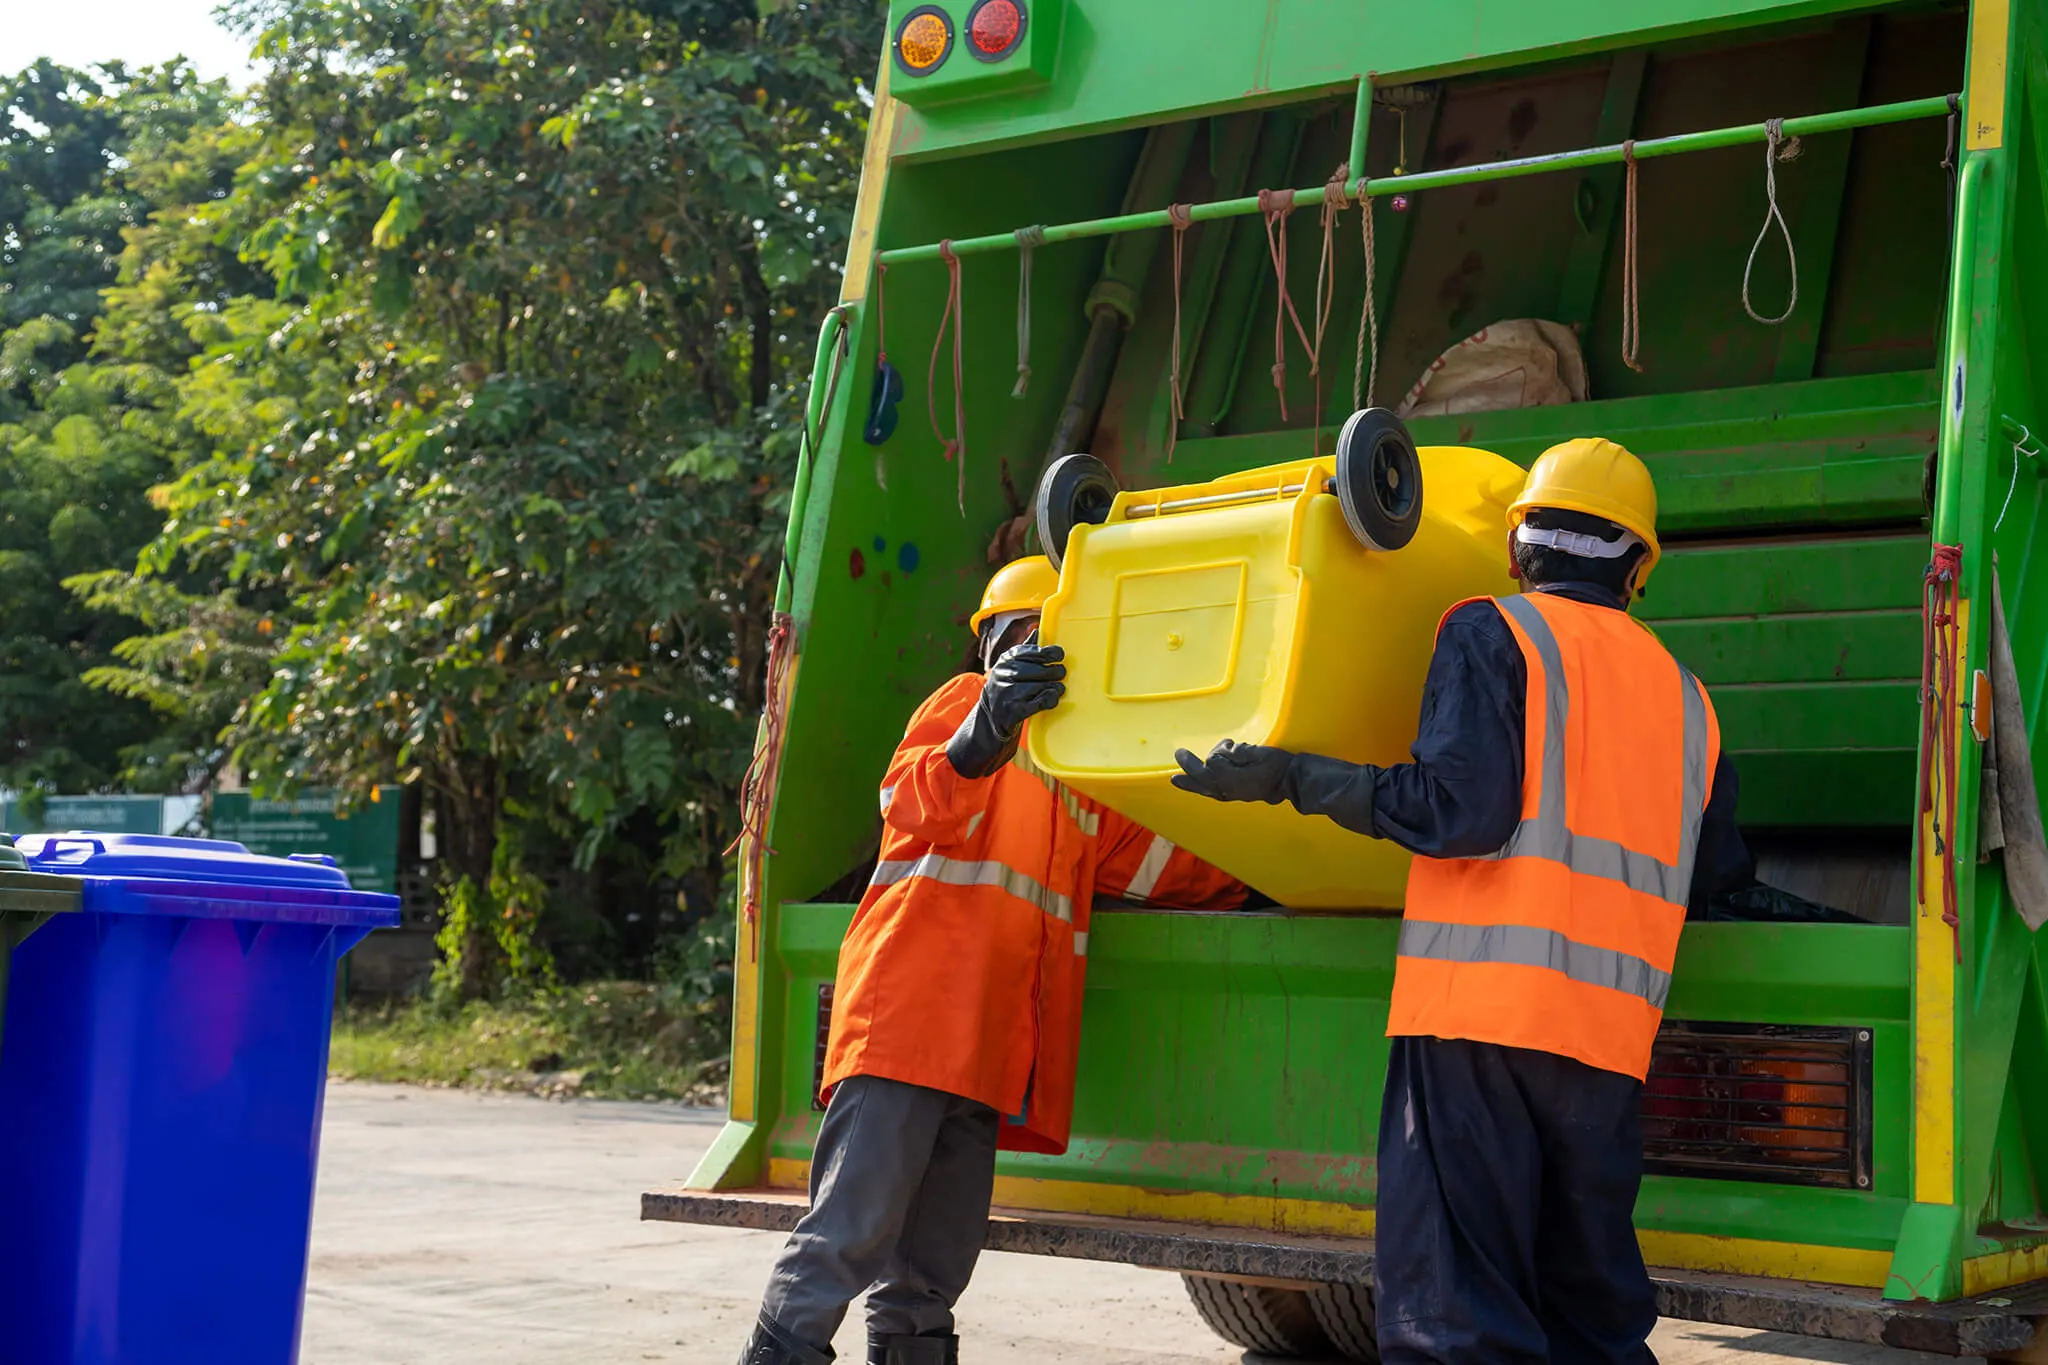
{"points": [[985, 872], [1546, 836], [1523, 945], [1089, 821], [1081, 943], [973, 824], [888, 799], [1148, 873]]}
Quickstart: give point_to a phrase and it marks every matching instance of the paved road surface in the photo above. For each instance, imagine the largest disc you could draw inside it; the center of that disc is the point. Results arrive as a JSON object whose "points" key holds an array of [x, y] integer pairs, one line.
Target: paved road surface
{"points": [[455, 1228]]}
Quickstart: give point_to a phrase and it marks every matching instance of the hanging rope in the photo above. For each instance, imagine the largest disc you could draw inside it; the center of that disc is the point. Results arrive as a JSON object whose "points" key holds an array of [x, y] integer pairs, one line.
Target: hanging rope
{"points": [[1939, 768], [2022, 446], [757, 789], [1029, 239], [956, 444], [1334, 199], [1182, 216], [1275, 205], [1631, 302], [1364, 377], [1776, 148]]}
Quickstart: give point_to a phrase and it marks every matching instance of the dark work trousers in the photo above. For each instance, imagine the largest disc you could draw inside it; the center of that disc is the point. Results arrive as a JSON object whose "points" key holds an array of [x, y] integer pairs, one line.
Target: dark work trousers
{"points": [[1507, 1194], [900, 1187]]}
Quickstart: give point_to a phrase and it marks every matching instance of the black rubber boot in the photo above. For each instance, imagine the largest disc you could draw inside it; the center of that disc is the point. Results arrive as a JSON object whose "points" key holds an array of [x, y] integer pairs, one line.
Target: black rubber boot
{"points": [[771, 1345], [938, 1348]]}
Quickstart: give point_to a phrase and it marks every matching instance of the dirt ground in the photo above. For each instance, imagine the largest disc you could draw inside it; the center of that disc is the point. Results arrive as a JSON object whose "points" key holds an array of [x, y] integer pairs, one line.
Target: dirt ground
{"points": [[454, 1227]]}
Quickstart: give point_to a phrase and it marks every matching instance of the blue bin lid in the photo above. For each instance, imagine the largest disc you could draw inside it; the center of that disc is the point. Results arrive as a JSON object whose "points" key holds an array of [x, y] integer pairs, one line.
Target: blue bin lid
{"points": [[155, 874]]}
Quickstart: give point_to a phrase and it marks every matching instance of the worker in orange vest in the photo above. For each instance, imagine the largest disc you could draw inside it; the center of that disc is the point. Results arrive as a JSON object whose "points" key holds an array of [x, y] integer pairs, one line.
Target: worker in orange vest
{"points": [[1568, 802], [956, 1016]]}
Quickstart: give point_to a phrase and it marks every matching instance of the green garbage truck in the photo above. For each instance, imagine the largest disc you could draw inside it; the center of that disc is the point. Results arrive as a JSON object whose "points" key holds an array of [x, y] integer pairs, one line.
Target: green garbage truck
{"points": [[1793, 255]]}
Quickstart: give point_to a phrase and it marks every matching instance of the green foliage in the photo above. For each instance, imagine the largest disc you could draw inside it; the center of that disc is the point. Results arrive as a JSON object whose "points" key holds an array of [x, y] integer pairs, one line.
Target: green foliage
{"points": [[482, 439], [87, 418], [616, 1040]]}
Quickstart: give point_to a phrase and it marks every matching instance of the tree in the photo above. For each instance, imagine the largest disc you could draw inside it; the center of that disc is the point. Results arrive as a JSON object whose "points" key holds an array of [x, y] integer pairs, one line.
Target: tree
{"points": [[84, 157], [510, 450]]}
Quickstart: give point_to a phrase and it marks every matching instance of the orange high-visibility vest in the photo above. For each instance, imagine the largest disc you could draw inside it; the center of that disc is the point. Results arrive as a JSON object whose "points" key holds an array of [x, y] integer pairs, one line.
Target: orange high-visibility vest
{"points": [[1564, 940], [964, 967]]}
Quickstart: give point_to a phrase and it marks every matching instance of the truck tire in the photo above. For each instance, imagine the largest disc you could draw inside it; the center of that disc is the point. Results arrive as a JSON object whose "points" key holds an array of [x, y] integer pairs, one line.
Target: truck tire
{"points": [[1274, 1322], [1346, 1314]]}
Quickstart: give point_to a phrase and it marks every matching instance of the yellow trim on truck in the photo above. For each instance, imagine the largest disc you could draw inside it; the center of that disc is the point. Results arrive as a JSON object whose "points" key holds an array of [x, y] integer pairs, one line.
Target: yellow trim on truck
{"points": [[1314, 1217]]}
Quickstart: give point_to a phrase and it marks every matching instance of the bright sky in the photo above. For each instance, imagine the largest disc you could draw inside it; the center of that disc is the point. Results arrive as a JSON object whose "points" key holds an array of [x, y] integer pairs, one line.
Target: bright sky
{"points": [[140, 32]]}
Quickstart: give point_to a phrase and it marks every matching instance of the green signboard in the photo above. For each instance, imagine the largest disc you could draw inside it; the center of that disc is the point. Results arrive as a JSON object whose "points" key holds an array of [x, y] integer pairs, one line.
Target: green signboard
{"points": [[104, 814], [364, 843]]}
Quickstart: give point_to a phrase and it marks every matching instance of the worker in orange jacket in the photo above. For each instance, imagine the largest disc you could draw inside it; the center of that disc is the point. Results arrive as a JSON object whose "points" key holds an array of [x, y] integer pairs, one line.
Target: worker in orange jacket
{"points": [[1567, 803], [956, 1019]]}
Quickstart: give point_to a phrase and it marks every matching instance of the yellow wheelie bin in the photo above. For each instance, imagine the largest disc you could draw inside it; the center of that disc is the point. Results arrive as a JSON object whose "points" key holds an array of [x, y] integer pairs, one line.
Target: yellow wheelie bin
{"points": [[1294, 605]]}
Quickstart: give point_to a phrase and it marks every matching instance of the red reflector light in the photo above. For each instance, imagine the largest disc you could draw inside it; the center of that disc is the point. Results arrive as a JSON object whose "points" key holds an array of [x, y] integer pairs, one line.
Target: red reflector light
{"points": [[993, 28], [923, 40]]}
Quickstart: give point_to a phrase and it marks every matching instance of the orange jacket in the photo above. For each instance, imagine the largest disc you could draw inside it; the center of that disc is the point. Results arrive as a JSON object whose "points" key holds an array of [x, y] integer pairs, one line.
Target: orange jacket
{"points": [[964, 964], [1564, 940]]}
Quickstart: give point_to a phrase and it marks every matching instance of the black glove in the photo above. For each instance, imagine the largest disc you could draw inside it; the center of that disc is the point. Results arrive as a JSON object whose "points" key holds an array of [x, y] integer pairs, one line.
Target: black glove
{"points": [[1235, 772], [1022, 683]]}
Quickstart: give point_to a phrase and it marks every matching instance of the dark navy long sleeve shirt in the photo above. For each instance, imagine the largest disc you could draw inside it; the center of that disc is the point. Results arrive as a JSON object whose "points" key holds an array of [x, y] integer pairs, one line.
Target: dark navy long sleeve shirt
{"points": [[1462, 796]]}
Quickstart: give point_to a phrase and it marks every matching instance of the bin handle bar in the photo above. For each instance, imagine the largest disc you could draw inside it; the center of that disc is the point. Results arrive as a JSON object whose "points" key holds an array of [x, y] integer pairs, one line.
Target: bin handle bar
{"points": [[1935, 106], [90, 846], [1138, 510]]}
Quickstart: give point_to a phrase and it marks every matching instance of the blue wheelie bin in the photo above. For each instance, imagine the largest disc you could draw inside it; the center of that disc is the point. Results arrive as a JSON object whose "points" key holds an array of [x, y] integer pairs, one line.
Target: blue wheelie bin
{"points": [[27, 900], [165, 1065]]}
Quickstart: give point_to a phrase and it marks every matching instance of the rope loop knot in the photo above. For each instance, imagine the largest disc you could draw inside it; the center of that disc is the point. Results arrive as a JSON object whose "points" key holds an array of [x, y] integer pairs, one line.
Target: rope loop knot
{"points": [[1776, 148]]}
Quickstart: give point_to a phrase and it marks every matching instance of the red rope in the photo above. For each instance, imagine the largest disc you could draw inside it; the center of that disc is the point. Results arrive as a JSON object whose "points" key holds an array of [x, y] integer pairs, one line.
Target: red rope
{"points": [[1276, 205], [1182, 218], [757, 789], [956, 444], [1940, 766]]}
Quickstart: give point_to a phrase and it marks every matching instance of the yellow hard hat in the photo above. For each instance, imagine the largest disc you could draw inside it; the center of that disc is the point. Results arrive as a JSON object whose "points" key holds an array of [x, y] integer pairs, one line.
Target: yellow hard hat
{"points": [[1020, 585], [1595, 476]]}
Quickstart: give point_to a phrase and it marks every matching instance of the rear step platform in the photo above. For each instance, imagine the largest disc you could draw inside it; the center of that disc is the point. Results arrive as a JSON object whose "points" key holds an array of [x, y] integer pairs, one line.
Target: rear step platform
{"points": [[1991, 1325]]}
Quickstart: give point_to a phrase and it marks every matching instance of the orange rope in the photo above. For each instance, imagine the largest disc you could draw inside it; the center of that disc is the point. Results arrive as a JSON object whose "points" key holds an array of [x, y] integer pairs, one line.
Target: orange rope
{"points": [[1183, 219], [956, 444], [1276, 205], [757, 789], [1631, 316]]}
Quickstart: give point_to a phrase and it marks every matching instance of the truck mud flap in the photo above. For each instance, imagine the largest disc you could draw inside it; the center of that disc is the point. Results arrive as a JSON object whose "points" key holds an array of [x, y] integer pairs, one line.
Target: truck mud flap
{"points": [[2000, 1324]]}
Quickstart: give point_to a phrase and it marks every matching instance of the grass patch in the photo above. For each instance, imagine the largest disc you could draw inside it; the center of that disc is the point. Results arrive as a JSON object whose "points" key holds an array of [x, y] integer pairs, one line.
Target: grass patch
{"points": [[613, 1040]]}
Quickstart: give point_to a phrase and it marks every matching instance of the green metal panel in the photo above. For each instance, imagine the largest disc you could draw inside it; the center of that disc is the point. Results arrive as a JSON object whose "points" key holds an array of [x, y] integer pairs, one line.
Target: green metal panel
{"points": [[1125, 64], [1243, 1053]]}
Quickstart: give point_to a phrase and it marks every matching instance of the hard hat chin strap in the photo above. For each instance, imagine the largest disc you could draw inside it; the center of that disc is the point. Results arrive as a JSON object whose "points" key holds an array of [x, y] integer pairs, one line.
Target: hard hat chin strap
{"points": [[1576, 542]]}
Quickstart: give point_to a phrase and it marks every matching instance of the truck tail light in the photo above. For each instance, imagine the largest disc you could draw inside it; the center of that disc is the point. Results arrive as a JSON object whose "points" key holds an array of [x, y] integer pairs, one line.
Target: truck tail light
{"points": [[924, 40], [1759, 1102], [994, 28]]}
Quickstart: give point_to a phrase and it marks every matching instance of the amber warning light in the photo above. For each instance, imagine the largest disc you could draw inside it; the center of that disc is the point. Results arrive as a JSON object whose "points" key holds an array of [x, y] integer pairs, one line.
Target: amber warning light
{"points": [[993, 28], [924, 40]]}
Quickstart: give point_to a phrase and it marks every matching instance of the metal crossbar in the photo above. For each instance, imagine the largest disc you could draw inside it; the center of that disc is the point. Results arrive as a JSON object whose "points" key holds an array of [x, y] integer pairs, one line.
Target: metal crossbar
{"points": [[1936, 106]]}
